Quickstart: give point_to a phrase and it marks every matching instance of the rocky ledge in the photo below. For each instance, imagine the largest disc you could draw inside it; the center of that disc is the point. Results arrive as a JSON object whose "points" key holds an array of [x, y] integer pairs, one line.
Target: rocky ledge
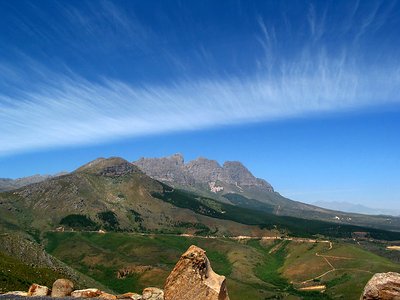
{"points": [[191, 279], [382, 286]]}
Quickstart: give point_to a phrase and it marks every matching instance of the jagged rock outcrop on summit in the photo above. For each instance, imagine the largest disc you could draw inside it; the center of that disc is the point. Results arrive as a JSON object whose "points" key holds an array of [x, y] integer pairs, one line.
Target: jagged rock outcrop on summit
{"points": [[201, 171], [110, 167], [193, 279], [382, 286]]}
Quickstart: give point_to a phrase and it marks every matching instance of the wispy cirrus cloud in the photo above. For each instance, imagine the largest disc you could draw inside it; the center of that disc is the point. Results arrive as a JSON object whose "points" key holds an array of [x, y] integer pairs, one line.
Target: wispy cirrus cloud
{"points": [[62, 110], [43, 108]]}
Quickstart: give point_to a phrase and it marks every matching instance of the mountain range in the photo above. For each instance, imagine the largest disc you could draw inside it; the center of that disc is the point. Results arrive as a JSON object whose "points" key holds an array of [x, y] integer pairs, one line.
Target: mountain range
{"points": [[233, 183], [357, 208], [111, 214], [169, 195], [201, 172], [8, 184]]}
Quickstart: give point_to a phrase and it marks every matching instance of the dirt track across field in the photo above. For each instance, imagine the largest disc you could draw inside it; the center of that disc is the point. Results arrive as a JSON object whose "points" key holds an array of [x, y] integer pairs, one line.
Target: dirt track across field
{"points": [[331, 266]]}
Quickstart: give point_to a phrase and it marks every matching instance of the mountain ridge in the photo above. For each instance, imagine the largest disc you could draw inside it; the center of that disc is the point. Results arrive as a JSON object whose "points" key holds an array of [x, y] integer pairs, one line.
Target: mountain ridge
{"points": [[356, 208], [114, 193], [8, 184], [233, 183], [200, 171]]}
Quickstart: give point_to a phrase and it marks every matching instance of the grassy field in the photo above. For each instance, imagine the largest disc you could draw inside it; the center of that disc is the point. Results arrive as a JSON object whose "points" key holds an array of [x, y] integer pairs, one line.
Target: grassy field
{"points": [[254, 269], [347, 268]]}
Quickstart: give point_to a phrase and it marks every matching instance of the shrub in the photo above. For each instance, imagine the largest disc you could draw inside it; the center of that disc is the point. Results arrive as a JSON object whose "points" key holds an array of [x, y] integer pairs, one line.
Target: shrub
{"points": [[79, 222]]}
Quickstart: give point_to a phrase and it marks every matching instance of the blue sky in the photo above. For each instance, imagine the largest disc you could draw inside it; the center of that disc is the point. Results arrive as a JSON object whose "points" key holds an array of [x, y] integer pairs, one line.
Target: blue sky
{"points": [[305, 93]]}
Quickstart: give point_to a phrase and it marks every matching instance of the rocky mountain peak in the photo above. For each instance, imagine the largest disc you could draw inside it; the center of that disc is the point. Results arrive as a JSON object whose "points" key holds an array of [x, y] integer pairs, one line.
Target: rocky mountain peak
{"points": [[236, 173], [178, 158], [113, 166], [202, 171]]}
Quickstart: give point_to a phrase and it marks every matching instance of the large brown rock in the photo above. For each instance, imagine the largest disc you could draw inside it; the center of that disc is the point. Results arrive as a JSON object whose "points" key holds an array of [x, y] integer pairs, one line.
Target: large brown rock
{"points": [[193, 279], [382, 286], [62, 288], [38, 290], [87, 293], [152, 293]]}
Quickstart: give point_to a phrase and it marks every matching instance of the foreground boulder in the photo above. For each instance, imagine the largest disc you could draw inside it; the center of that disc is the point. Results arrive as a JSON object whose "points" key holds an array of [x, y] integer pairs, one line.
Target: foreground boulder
{"points": [[193, 279], [382, 286], [152, 293], [38, 290], [87, 293], [62, 288]]}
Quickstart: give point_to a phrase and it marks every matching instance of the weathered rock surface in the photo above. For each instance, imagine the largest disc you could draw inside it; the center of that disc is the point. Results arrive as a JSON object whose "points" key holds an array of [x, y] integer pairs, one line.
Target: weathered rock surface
{"points": [[38, 290], [173, 170], [130, 296], [16, 293], [107, 296], [382, 286], [111, 167], [193, 279], [152, 293], [62, 288], [86, 293]]}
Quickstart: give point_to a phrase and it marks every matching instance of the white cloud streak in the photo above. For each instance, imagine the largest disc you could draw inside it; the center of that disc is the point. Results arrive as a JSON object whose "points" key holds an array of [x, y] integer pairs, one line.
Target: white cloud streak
{"points": [[40, 109], [66, 110]]}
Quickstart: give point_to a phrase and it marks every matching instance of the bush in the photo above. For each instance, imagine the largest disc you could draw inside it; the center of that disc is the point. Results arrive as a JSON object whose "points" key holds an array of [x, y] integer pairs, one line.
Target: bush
{"points": [[79, 222], [109, 219]]}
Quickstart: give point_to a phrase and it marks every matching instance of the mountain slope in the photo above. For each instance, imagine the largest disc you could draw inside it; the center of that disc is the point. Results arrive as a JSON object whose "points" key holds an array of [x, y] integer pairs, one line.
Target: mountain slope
{"points": [[114, 195], [234, 184], [23, 261], [111, 194]]}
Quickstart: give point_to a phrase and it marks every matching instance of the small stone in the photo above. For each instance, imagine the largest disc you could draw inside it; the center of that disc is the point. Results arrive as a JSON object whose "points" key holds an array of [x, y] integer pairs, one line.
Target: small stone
{"points": [[130, 296], [107, 296], [86, 293], [17, 293], [62, 288], [38, 290], [152, 293]]}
